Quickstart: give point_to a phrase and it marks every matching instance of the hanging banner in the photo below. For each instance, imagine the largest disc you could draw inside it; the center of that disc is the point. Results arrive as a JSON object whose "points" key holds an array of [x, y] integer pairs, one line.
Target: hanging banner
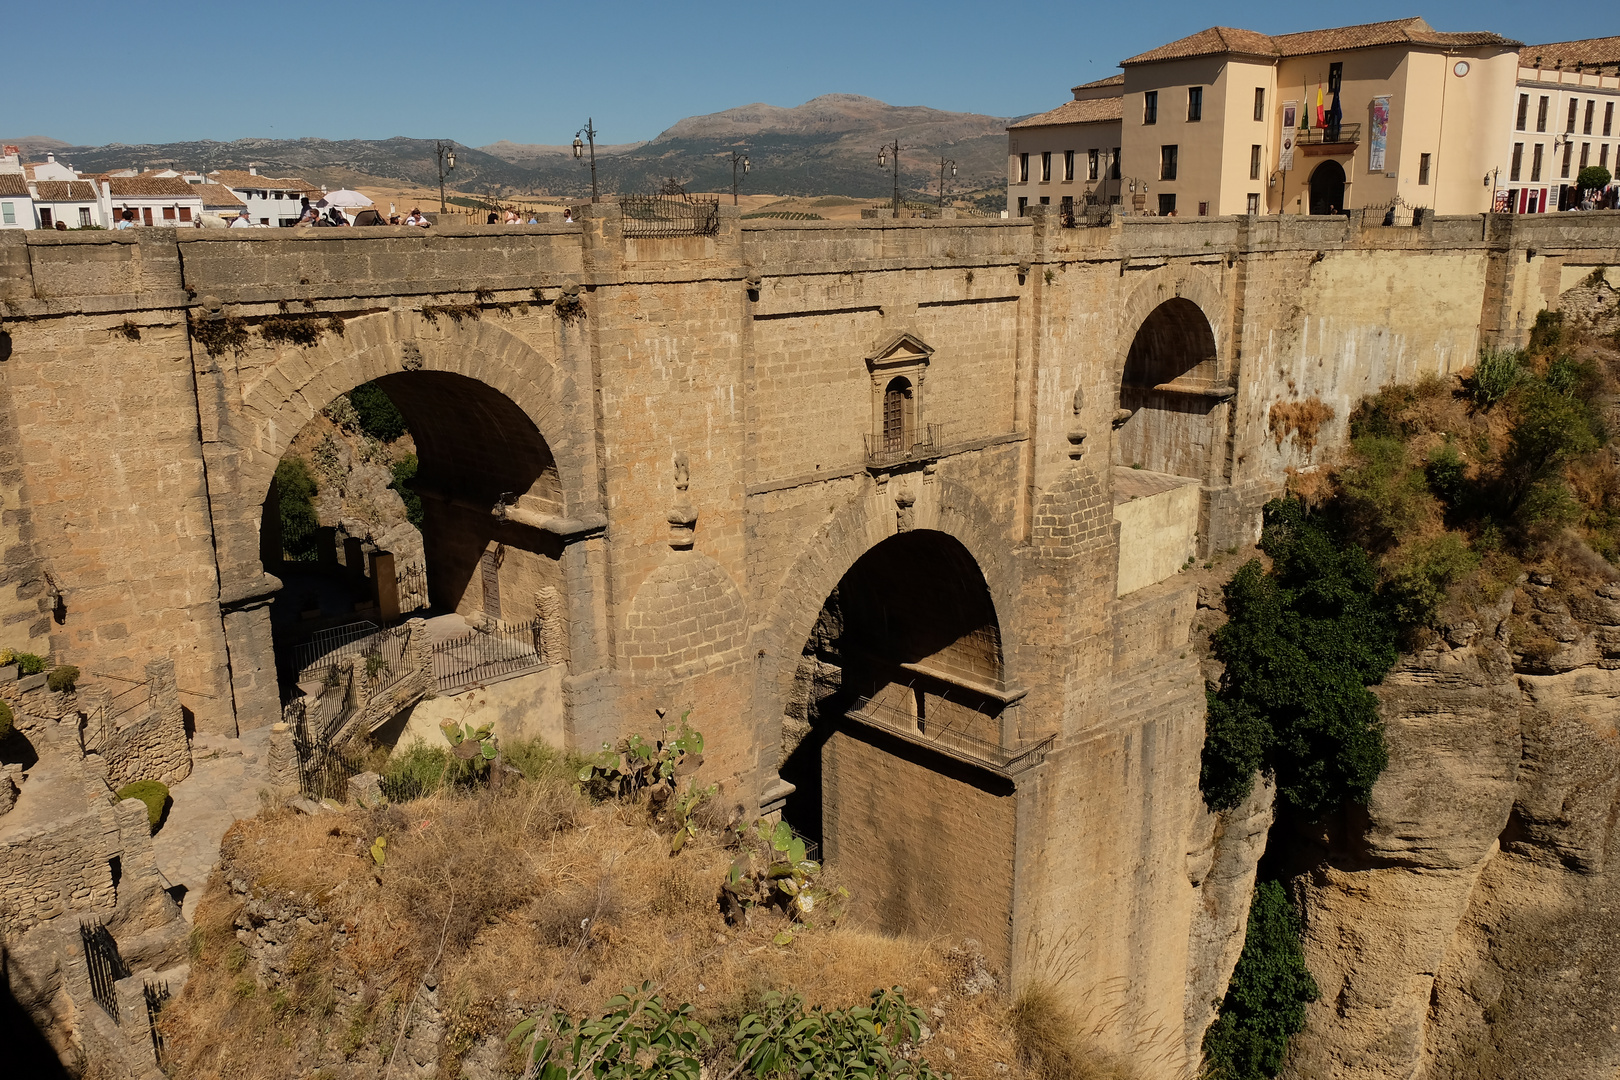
{"points": [[1285, 160], [1380, 133]]}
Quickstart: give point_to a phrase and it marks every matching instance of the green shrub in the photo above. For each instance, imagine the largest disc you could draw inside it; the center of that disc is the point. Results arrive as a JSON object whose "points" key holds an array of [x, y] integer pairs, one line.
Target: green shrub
{"points": [[786, 1039], [154, 794], [1265, 1001], [1419, 579], [537, 759], [404, 470], [1555, 421], [638, 1036], [62, 678], [1548, 331], [421, 767], [28, 663], [6, 721], [1302, 644], [1593, 178], [295, 488], [1383, 497], [377, 414], [1495, 375]]}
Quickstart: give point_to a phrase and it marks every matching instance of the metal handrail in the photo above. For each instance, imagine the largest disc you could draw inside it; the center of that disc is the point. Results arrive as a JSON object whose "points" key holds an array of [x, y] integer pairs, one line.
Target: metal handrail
{"points": [[881, 450], [1348, 133], [1002, 759]]}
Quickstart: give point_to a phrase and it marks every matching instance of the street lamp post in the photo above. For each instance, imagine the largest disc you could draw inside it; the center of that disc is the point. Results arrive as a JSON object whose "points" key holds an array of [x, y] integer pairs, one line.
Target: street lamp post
{"points": [[579, 152], [738, 157], [884, 153], [942, 163], [446, 153], [1139, 192]]}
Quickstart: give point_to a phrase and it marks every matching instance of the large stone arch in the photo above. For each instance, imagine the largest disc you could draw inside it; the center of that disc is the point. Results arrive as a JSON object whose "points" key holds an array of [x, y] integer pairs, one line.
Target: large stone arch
{"points": [[941, 505], [1183, 282]]}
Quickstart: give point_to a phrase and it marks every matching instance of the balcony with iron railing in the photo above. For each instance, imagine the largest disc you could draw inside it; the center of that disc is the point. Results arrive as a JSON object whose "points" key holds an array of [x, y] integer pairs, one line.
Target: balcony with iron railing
{"points": [[886, 450], [1344, 134], [1007, 761]]}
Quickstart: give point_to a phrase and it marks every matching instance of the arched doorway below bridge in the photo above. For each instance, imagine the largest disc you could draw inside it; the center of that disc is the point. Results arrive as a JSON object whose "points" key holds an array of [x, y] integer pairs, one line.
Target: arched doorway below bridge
{"points": [[1327, 188], [1170, 386], [897, 739], [384, 508]]}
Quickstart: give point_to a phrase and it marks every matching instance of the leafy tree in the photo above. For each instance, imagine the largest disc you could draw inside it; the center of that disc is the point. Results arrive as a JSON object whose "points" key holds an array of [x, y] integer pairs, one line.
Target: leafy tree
{"points": [[1593, 178], [296, 489], [404, 470], [379, 417], [1303, 642], [1265, 1001]]}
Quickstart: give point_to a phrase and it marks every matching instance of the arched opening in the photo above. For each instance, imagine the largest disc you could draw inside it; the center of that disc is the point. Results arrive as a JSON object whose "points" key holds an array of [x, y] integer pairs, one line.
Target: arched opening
{"points": [[1170, 385], [897, 736], [383, 509], [1327, 188], [897, 416]]}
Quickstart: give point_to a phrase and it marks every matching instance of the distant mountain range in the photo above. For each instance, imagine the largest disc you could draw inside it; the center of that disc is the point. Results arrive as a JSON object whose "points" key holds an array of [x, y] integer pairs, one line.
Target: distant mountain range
{"points": [[825, 146]]}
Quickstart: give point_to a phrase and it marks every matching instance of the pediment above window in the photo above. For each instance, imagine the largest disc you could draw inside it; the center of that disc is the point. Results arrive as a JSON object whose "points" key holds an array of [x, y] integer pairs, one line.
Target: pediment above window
{"points": [[899, 353]]}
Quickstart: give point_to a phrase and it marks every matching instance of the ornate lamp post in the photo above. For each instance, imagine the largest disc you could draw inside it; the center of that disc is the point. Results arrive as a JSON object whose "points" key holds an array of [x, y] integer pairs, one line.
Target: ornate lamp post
{"points": [[579, 152], [446, 153], [738, 157], [1139, 192], [942, 163], [884, 153]]}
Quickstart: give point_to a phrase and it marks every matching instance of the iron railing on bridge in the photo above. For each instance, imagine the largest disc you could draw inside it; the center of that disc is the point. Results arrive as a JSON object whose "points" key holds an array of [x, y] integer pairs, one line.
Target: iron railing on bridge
{"points": [[1007, 760], [328, 647], [486, 654], [894, 449], [646, 216], [106, 966]]}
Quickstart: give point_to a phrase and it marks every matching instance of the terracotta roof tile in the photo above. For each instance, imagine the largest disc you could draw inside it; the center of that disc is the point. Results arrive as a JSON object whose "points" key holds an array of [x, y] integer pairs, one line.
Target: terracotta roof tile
{"points": [[14, 185], [150, 186], [1593, 52], [1095, 111], [217, 195], [241, 179], [64, 190], [1221, 40], [1112, 80]]}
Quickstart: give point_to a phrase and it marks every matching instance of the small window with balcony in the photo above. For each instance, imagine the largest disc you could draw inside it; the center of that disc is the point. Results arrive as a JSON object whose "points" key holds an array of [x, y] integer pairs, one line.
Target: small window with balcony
{"points": [[1167, 161], [897, 421], [1423, 164], [1046, 166], [1203, 209], [1092, 163], [1150, 107], [1541, 113], [1517, 162], [1259, 103], [1068, 164], [1254, 162], [1524, 112], [1023, 168], [1195, 104]]}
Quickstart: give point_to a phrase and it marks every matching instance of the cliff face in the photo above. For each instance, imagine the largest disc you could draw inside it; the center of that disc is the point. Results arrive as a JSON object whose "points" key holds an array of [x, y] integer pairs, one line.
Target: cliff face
{"points": [[1469, 925]]}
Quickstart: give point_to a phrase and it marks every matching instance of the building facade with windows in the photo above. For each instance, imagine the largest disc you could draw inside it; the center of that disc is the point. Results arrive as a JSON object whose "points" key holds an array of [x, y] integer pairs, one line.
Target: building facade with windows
{"points": [[1563, 120], [270, 200], [1226, 121], [16, 202], [76, 204], [161, 202], [1069, 156]]}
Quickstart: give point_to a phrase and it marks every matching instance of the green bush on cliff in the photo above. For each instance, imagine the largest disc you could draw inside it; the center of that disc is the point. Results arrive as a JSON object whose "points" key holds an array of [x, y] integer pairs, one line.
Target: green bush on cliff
{"points": [[1304, 641], [1265, 1001], [151, 792], [295, 489], [379, 416]]}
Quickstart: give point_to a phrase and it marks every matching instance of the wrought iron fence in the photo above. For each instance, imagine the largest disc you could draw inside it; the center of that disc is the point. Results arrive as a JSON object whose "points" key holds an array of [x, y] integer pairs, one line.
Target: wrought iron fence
{"points": [[156, 994], [327, 647], [106, 966], [1346, 133], [324, 770], [301, 544], [888, 450], [386, 659], [668, 215], [484, 655]]}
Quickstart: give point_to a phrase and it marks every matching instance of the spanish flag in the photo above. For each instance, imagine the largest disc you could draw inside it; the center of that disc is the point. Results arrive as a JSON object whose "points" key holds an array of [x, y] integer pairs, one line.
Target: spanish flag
{"points": [[1321, 117]]}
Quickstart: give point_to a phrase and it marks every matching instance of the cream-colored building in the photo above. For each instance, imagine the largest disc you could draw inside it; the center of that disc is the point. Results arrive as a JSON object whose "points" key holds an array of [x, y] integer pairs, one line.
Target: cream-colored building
{"points": [[1069, 156], [1225, 122], [1563, 120]]}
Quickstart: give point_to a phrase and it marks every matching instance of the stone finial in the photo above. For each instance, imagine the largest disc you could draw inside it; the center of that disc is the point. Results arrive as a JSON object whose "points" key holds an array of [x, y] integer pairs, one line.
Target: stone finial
{"points": [[1076, 435], [683, 516]]}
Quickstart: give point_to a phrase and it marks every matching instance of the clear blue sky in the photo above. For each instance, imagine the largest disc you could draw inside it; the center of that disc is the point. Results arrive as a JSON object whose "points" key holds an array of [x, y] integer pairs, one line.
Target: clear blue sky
{"points": [[481, 71]]}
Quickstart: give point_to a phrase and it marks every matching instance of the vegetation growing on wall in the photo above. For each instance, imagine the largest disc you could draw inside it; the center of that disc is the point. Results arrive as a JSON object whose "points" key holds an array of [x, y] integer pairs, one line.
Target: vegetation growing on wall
{"points": [[1265, 1001], [376, 413], [404, 470], [295, 488]]}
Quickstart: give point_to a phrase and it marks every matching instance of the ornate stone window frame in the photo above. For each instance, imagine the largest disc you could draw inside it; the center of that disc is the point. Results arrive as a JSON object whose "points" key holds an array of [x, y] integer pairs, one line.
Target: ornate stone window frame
{"points": [[904, 354]]}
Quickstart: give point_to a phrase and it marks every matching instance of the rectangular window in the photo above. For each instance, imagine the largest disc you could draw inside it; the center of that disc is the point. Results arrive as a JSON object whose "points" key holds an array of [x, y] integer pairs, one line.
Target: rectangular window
{"points": [[84, 217], [185, 213], [45, 221], [1195, 104], [1586, 127], [1254, 202], [168, 213], [1524, 112], [1203, 209], [1046, 166], [1518, 161], [1570, 126], [1167, 161], [1091, 163], [1564, 172], [1541, 113], [1423, 163], [1535, 163], [1068, 164], [1603, 155], [1608, 118], [146, 216], [1167, 206], [8, 213], [1254, 162], [1023, 168], [1113, 170], [1046, 200], [1586, 154], [1023, 206], [1150, 107], [1259, 103], [1066, 206]]}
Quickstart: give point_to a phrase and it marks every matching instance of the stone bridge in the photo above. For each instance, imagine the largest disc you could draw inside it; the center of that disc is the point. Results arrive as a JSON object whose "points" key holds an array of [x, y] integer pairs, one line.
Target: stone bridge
{"points": [[895, 507]]}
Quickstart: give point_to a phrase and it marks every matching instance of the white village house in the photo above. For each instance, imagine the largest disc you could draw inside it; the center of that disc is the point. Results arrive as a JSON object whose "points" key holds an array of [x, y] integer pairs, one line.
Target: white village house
{"points": [[270, 200]]}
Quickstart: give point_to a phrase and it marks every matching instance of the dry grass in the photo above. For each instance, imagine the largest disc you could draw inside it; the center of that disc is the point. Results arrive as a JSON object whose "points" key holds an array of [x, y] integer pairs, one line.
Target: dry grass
{"points": [[1301, 420], [1052, 1044], [516, 900]]}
